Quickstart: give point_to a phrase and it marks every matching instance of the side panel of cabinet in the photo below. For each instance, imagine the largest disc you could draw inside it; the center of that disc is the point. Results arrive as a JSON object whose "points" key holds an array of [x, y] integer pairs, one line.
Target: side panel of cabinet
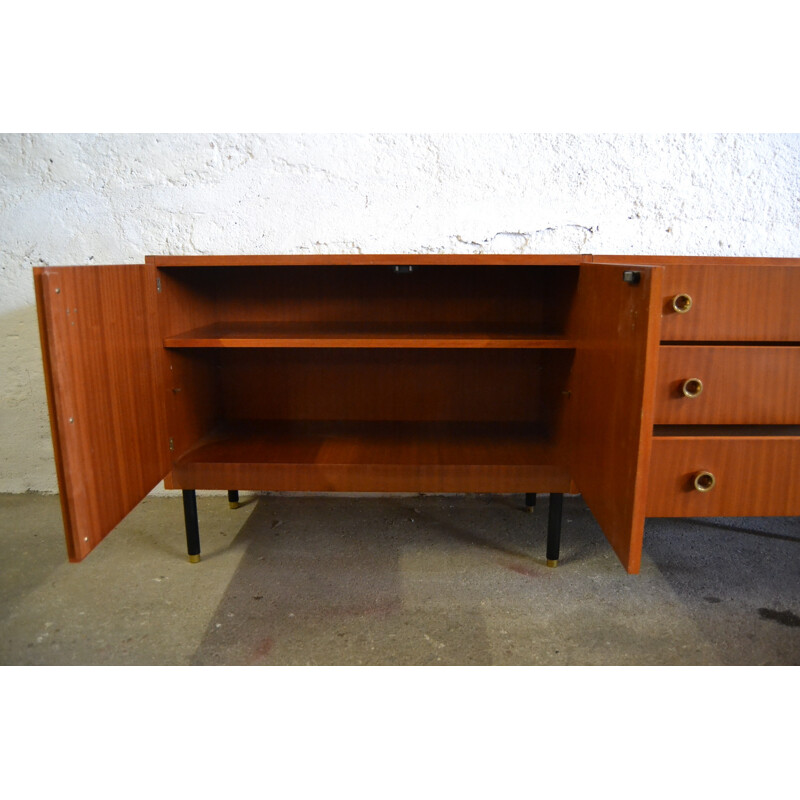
{"points": [[610, 410], [102, 359]]}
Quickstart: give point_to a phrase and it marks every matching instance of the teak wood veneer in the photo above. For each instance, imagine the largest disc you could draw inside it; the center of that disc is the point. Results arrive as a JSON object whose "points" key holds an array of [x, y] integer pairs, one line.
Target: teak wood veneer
{"points": [[654, 386]]}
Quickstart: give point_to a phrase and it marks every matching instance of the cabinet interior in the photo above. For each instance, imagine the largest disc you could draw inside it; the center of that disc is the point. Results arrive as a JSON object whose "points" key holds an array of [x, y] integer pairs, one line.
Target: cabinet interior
{"points": [[435, 367]]}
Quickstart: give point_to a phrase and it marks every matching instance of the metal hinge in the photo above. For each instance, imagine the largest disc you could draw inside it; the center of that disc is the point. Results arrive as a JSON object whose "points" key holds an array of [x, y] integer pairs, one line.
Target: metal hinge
{"points": [[172, 445], [158, 285], [632, 277]]}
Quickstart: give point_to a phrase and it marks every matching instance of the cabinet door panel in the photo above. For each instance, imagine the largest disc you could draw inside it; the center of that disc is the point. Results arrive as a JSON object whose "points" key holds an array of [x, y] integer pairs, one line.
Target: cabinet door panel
{"points": [[610, 411], [102, 358]]}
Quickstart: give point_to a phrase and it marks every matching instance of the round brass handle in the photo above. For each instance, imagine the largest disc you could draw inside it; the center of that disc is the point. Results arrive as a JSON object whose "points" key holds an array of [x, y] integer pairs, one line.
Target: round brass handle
{"points": [[692, 387], [682, 303], [704, 481]]}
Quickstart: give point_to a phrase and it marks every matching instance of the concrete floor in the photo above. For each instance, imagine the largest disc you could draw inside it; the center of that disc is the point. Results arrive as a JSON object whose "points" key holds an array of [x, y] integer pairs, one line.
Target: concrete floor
{"points": [[394, 580]]}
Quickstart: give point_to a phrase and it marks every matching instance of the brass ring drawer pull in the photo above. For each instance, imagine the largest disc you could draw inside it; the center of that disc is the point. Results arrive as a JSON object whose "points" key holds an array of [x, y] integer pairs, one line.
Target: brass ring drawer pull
{"points": [[692, 387], [704, 481], [682, 303]]}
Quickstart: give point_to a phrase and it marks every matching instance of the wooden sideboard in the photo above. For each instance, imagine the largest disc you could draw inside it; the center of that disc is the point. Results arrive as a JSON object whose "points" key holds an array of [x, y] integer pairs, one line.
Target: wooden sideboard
{"points": [[654, 386]]}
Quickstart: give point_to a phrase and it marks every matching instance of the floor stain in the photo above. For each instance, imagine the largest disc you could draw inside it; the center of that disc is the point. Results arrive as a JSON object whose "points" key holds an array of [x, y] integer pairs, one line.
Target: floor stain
{"points": [[378, 609], [709, 598], [782, 617], [262, 651], [519, 569]]}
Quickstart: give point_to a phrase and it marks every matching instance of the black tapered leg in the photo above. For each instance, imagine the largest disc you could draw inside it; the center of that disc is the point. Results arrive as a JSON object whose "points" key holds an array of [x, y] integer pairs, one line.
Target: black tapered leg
{"points": [[530, 502], [192, 528], [554, 528], [233, 498]]}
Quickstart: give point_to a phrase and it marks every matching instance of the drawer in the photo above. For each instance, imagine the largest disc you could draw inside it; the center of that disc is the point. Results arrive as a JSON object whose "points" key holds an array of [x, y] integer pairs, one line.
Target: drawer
{"points": [[753, 476], [718, 385], [731, 303]]}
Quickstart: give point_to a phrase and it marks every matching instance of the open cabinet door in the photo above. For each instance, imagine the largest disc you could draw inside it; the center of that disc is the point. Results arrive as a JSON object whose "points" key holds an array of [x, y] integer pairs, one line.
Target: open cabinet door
{"points": [[616, 324], [102, 362]]}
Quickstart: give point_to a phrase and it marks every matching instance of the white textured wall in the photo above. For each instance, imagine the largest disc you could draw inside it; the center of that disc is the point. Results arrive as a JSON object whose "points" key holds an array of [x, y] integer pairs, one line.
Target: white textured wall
{"points": [[82, 199]]}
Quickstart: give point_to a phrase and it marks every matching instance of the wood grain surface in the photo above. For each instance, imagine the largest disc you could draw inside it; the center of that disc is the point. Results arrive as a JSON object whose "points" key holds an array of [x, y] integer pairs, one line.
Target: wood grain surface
{"points": [[486, 373], [334, 455], [699, 261], [733, 299], [533, 298], [411, 385], [366, 334], [755, 476], [101, 348], [732, 303], [378, 259], [749, 385], [610, 410], [186, 300]]}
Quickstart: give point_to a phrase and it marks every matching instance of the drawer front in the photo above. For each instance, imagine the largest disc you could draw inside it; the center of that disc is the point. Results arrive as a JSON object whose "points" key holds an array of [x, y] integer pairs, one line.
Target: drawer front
{"points": [[728, 385], [753, 476], [731, 303]]}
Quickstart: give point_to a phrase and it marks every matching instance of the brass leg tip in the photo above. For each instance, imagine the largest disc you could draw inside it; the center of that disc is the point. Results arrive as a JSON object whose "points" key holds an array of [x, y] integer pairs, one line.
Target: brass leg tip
{"points": [[233, 505], [529, 509], [194, 559], [552, 562]]}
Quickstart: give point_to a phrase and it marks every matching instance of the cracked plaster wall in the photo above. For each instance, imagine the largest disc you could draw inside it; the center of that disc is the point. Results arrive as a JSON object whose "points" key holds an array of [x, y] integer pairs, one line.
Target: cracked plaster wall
{"points": [[83, 199]]}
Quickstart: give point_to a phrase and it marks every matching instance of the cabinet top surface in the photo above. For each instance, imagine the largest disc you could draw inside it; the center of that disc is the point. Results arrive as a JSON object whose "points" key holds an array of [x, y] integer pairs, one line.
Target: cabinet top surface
{"points": [[458, 259], [377, 259]]}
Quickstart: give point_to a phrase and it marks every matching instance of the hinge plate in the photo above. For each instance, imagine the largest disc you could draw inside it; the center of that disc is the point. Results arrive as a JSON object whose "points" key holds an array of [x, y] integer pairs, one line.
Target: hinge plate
{"points": [[158, 285], [632, 277], [171, 445]]}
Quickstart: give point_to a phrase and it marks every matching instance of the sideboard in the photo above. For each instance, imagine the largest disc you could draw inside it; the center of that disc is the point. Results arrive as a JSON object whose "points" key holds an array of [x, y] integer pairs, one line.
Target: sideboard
{"points": [[653, 386]]}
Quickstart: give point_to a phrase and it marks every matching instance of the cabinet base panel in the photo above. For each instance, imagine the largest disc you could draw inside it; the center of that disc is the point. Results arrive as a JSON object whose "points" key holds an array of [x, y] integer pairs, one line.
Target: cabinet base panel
{"points": [[332, 456], [458, 479]]}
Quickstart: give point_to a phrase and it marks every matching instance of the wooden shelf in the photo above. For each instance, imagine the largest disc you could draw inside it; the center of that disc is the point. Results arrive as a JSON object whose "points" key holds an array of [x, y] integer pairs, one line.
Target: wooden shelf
{"points": [[365, 334], [374, 456]]}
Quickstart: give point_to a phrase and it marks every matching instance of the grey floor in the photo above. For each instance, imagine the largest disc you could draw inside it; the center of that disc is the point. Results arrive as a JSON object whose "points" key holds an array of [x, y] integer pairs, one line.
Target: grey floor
{"points": [[403, 580]]}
